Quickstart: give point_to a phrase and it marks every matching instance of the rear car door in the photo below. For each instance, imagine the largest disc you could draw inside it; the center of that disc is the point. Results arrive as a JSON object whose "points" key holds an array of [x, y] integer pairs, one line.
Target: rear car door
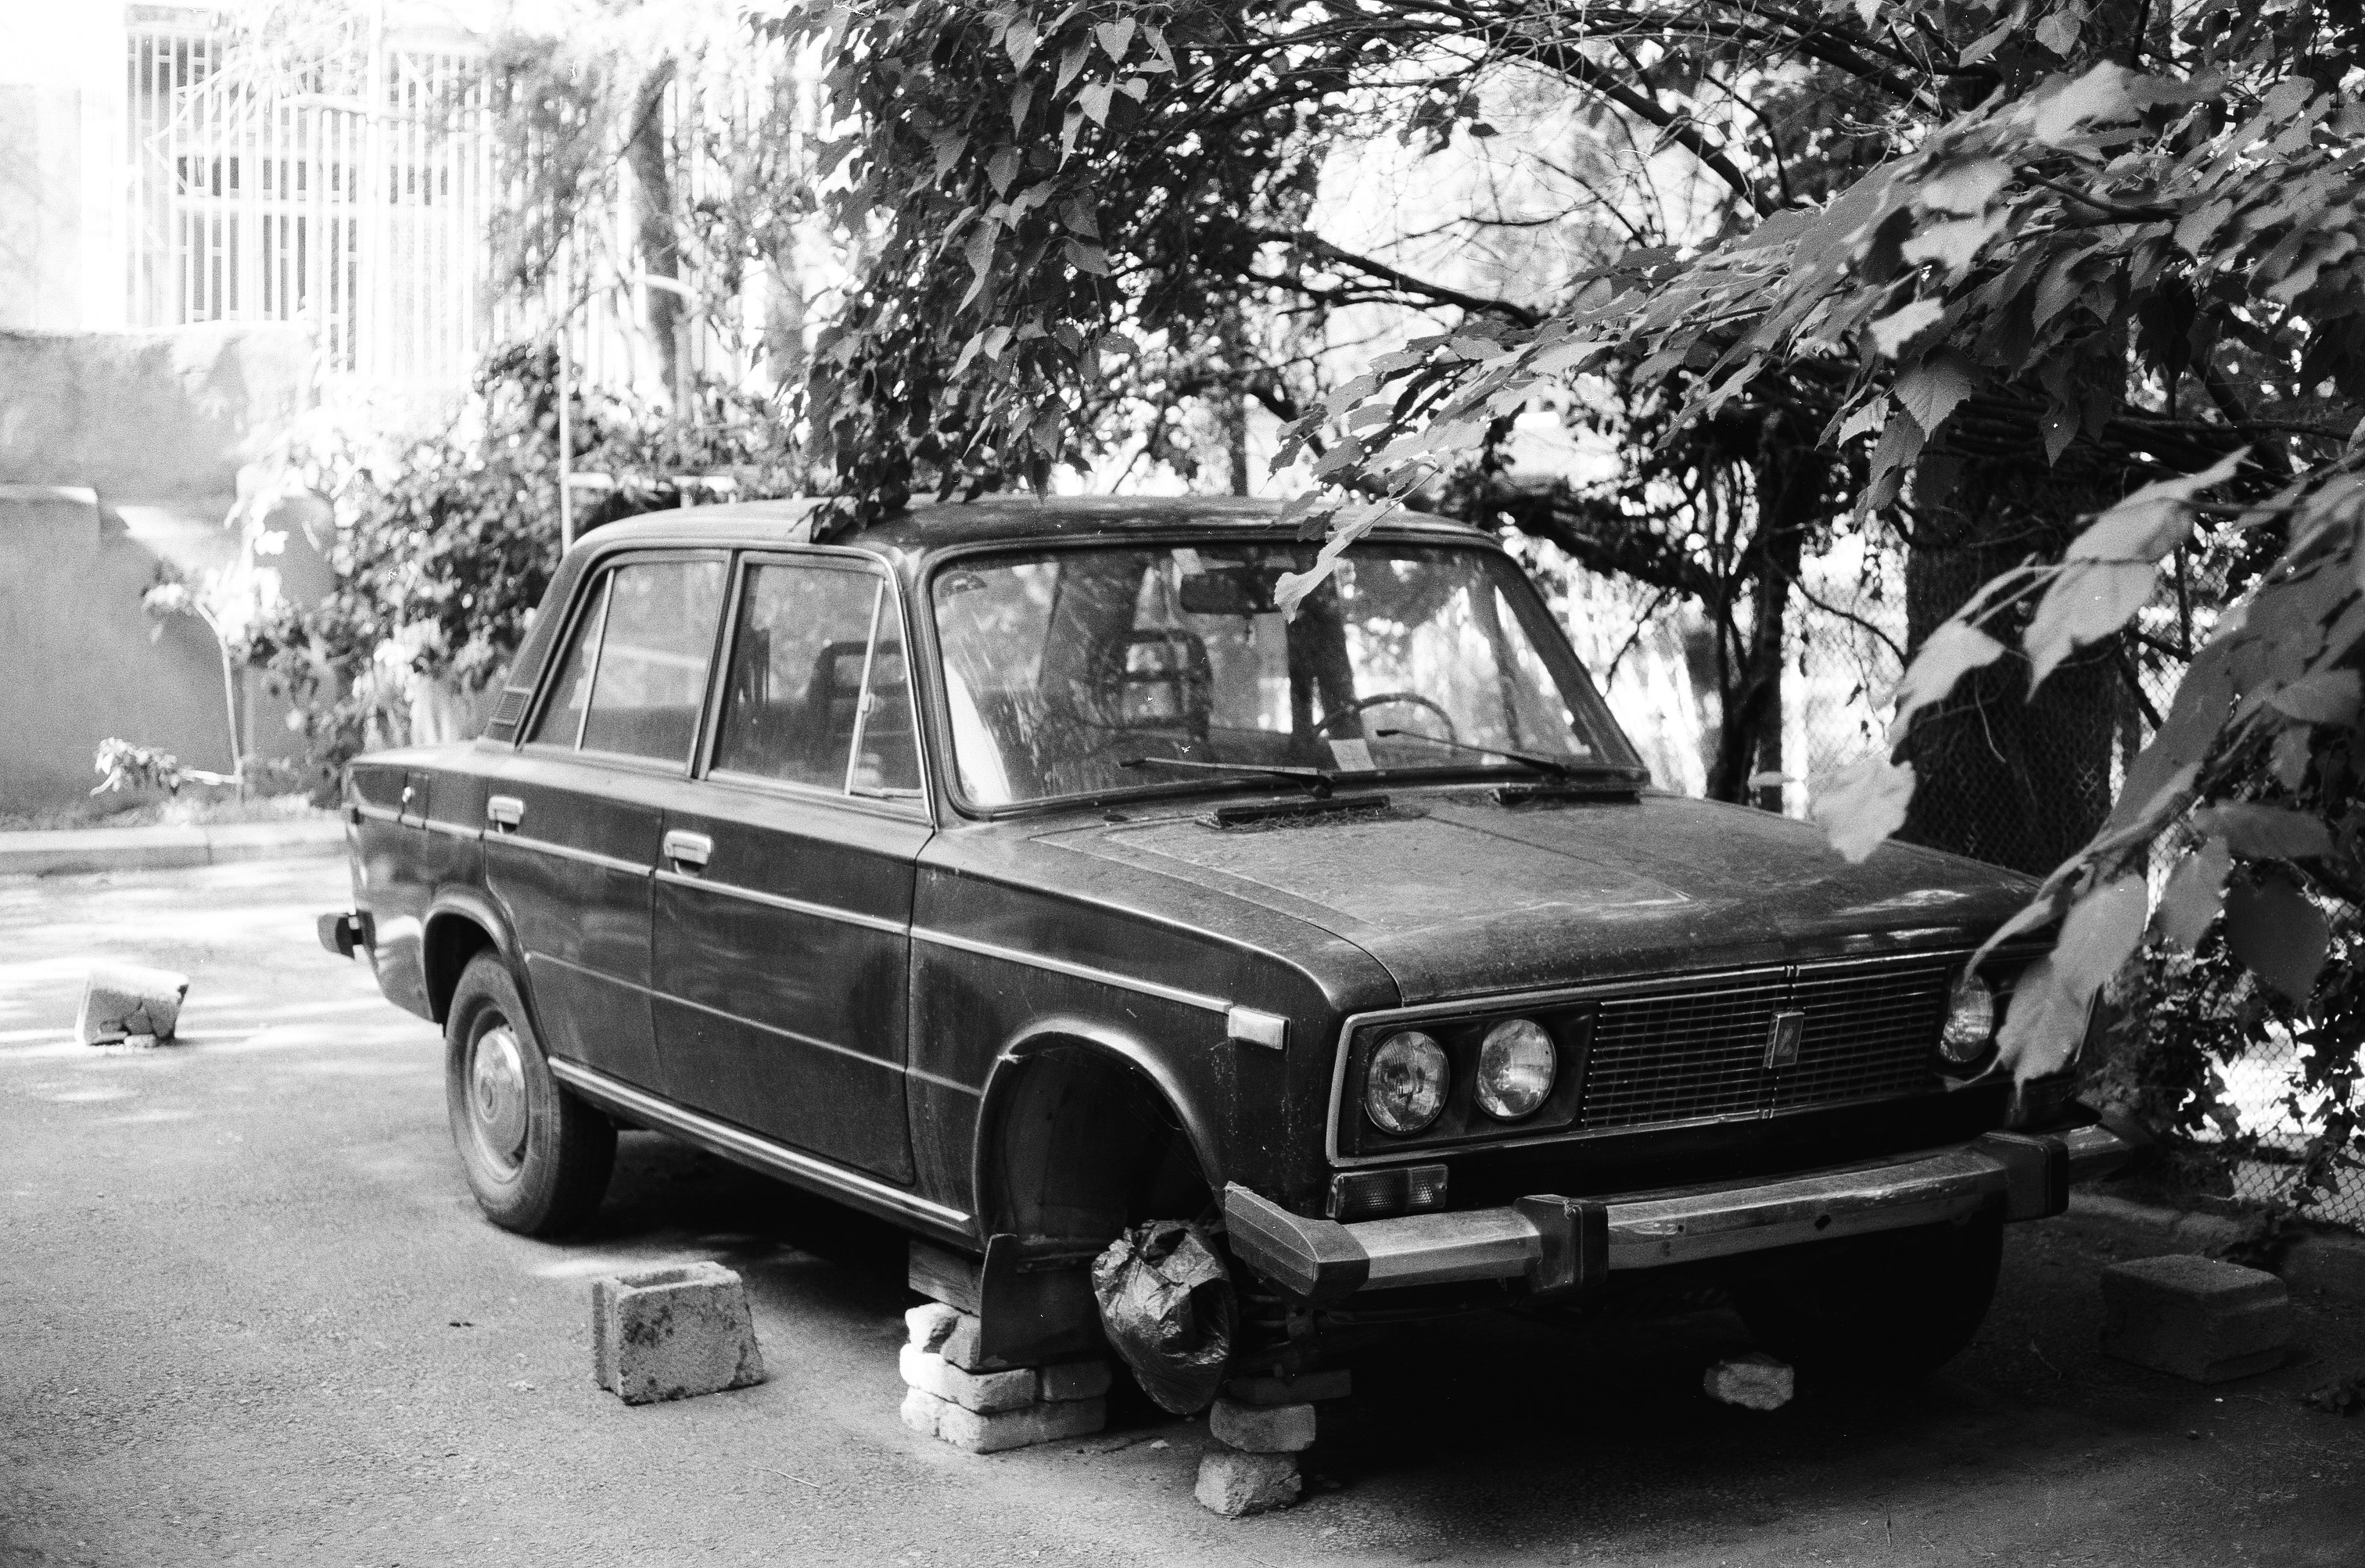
{"points": [[783, 906], [574, 817]]}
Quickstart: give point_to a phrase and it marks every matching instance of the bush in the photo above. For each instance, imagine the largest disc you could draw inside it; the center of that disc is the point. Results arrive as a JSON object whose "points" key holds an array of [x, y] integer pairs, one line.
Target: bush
{"points": [[445, 546]]}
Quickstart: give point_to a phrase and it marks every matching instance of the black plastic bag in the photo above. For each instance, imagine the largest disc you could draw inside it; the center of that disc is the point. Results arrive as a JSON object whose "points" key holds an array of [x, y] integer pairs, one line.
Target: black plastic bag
{"points": [[1166, 1302]]}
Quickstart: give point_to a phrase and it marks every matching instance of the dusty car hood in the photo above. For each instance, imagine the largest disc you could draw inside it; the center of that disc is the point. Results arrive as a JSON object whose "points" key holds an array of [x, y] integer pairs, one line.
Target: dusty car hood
{"points": [[1457, 895]]}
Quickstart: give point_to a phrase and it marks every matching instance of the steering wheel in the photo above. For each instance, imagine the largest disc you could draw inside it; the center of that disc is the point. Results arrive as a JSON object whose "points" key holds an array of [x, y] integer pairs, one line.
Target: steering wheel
{"points": [[1381, 699]]}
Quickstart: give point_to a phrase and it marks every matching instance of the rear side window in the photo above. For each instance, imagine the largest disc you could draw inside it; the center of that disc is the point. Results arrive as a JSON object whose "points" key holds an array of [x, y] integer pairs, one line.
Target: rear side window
{"points": [[634, 676], [816, 693]]}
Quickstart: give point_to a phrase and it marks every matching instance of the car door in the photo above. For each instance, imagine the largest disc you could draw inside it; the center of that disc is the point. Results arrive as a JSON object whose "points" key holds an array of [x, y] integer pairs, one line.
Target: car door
{"points": [[784, 907], [574, 818]]}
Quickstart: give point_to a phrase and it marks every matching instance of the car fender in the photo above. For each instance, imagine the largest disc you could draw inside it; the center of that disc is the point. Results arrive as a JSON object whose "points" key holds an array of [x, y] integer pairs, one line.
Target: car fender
{"points": [[472, 906], [1107, 1040]]}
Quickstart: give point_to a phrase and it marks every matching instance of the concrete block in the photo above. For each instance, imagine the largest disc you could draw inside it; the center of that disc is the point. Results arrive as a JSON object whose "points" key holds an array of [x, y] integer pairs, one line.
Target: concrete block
{"points": [[123, 1000], [930, 1324], [919, 1409], [1304, 1388], [1023, 1427], [673, 1333], [1076, 1380], [1233, 1484], [2332, 1264], [960, 1347], [1262, 1428], [1753, 1382], [2195, 1317], [988, 1393]]}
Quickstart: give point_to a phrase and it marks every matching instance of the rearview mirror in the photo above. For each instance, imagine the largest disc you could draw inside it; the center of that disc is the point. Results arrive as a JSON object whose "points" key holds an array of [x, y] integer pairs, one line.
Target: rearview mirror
{"points": [[1230, 590]]}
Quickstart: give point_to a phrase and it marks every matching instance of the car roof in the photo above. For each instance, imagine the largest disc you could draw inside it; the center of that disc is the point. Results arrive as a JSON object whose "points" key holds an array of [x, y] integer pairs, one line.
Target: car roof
{"points": [[929, 528]]}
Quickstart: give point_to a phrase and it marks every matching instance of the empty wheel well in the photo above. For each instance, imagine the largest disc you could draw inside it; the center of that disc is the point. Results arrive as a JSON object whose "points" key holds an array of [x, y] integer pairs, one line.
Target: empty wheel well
{"points": [[450, 941], [1086, 1145]]}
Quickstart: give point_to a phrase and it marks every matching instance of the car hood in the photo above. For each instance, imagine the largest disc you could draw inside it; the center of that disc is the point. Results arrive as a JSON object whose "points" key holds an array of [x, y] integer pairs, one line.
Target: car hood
{"points": [[1458, 895]]}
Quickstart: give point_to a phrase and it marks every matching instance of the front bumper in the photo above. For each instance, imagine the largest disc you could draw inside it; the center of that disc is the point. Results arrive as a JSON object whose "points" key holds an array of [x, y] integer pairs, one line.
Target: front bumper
{"points": [[1568, 1246]]}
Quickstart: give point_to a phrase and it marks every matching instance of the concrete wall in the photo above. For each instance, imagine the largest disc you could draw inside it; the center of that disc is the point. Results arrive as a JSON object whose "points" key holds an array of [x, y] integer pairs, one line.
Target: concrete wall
{"points": [[63, 213], [120, 453]]}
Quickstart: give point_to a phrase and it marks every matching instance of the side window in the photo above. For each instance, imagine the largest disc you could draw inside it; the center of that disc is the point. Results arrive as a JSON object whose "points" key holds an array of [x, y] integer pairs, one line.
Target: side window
{"points": [[634, 675], [794, 688], [653, 657], [561, 722]]}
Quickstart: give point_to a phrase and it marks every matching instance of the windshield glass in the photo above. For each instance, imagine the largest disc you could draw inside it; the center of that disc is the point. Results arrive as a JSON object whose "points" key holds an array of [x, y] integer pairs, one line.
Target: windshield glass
{"points": [[1060, 665]]}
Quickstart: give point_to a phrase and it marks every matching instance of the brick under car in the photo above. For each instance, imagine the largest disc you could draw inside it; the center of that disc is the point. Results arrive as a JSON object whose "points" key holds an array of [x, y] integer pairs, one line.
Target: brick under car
{"points": [[1019, 872]]}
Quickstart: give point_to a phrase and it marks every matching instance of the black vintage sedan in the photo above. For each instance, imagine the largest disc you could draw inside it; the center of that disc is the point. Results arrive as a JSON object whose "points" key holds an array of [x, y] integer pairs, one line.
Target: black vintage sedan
{"points": [[1019, 872]]}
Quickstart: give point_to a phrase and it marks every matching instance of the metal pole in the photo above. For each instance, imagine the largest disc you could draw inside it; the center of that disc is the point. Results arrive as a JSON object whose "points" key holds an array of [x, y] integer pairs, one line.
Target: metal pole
{"points": [[566, 440]]}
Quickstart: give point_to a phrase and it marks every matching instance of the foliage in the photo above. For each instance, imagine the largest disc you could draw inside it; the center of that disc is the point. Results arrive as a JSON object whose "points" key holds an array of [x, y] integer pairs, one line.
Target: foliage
{"points": [[445, 546], [123, 765]]}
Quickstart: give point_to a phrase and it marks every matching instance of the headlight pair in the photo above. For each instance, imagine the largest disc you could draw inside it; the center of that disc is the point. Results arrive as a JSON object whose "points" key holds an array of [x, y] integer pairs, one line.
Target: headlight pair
{"points": [[1409, 1076]]}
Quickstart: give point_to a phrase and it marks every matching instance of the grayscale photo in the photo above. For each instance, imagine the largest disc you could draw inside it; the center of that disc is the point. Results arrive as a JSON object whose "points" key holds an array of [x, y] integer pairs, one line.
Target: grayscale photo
{"points": [[1168, 782]]}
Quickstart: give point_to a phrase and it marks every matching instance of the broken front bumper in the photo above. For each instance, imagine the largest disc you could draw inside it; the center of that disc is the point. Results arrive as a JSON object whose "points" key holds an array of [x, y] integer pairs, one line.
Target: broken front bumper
{"points": [[1564, 1247]]}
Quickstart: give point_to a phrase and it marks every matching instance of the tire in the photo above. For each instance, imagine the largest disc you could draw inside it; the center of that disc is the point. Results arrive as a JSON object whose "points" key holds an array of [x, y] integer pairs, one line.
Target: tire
{"points": [[1884, 1309], [536, 1157]]}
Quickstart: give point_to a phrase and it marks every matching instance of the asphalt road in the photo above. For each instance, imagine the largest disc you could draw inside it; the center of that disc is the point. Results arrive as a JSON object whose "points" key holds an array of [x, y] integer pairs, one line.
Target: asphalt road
{"points": [[249, 1314]]}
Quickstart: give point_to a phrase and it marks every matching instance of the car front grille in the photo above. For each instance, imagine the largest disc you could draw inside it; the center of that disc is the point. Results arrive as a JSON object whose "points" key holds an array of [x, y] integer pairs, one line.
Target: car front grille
{"points": [[1869, 1033]]}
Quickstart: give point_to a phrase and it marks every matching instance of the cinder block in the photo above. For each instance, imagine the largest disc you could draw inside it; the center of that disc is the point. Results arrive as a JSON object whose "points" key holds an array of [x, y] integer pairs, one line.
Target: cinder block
{"points": [[960, 1347], [1304, 1388], [2195, 1317], [1262, 1428], [1233, 1484], [1023, 1427], [122, 999], [1076, 1380], [2332, 1264], [988, 1393], [930, 1324], [1754, 1382], [673, 1333], [919, 1409]]}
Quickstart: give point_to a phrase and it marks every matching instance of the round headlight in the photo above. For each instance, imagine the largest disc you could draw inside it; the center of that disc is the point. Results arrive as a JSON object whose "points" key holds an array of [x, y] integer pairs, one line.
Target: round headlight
{"points": [[1516, 1066], [1405, 1087], [1970, 1021]]}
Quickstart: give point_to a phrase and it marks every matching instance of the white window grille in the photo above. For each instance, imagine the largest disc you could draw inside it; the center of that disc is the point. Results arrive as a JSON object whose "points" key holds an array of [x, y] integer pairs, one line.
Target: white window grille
{"points": [[351, 199]]}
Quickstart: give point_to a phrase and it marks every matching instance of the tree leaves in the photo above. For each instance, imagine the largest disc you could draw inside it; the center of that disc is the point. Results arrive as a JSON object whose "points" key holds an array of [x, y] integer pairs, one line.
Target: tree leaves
{"points": [[1862, 805], [2195, 892], [1951, 652], [2046, 1020], [1930, 388], [2278, 934], [2109, 571]]}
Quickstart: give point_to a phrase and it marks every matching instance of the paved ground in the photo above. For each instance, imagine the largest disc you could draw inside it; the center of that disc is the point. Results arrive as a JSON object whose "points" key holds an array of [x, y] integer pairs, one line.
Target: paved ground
{"points": [[248, 1314]]}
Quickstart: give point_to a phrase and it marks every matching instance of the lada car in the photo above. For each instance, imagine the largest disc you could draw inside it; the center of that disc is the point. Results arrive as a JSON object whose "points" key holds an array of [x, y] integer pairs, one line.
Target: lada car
{"points": [[1019, 872]]}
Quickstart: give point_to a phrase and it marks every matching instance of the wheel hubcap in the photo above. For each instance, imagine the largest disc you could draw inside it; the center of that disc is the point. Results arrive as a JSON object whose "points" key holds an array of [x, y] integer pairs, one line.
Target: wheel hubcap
{"points": [[496, 1094]]}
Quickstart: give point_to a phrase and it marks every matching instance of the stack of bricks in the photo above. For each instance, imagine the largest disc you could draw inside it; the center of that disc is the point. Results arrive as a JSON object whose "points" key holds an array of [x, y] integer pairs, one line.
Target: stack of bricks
{"points": [[1261, 1426], [960, 1396]]}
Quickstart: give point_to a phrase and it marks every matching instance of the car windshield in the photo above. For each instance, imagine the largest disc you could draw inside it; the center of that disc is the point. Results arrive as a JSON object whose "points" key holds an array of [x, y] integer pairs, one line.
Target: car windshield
{"points": [[1063, 667]]}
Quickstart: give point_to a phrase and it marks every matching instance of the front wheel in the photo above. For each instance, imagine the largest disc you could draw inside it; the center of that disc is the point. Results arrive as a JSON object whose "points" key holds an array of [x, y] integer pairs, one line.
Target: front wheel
{"points": [[1887, 1308], [536, 1157]]}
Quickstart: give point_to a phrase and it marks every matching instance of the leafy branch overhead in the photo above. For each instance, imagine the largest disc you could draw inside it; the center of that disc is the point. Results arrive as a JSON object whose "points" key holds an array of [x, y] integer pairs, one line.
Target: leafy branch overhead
{"points": [[1978, 294]]}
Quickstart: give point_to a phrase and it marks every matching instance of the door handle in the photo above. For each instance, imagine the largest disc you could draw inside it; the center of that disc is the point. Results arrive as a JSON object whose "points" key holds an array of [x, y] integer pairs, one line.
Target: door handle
{"points": [[688, 850], [504, 811]]}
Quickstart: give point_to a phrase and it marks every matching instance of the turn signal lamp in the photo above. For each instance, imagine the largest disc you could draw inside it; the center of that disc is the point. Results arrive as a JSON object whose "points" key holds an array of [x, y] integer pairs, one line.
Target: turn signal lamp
{"points": [[1382, 1194]]}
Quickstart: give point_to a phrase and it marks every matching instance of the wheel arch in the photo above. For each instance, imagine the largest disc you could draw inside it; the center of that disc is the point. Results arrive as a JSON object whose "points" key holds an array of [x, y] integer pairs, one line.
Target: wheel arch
{"points": [[1082, 1123], [459, 926]]}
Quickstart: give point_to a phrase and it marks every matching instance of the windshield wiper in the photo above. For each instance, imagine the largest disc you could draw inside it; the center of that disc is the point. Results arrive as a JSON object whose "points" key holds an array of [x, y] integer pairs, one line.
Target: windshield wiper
{"points": [[1314, 780], [1557, 769]]}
